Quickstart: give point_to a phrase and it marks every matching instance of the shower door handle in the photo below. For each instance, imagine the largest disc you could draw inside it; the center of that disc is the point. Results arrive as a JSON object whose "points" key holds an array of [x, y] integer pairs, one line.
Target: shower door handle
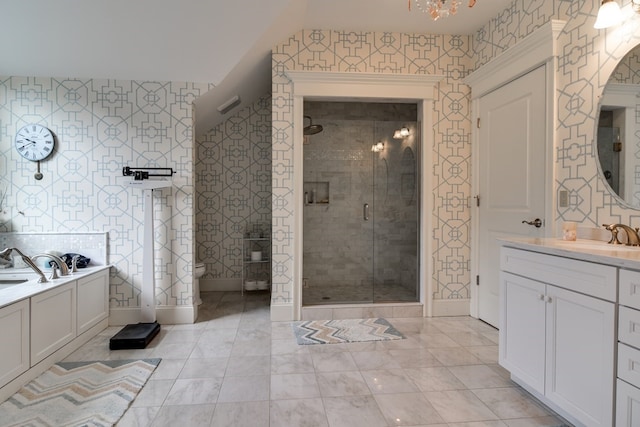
{"points": [[365, 211]]}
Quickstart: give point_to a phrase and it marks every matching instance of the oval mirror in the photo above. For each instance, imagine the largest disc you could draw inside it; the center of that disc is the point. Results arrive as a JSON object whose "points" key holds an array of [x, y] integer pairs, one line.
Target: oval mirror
{"points": [[618, 130]]}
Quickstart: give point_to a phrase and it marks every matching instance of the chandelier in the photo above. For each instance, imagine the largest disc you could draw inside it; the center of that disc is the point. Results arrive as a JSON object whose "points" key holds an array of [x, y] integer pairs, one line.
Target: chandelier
{"points": [[439, 8]]}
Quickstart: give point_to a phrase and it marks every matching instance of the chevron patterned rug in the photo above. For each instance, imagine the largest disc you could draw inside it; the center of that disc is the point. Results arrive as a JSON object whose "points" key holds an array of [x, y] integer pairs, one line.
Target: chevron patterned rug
{"points": [[88, 394], [344, 330]]}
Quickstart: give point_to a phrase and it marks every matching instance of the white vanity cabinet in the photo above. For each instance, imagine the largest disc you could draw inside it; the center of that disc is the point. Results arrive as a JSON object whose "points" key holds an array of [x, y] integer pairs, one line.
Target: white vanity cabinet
{"points": [[41, 324], [14, 346], [53, 320], [557, 332], [628, 383], [93, 300]]}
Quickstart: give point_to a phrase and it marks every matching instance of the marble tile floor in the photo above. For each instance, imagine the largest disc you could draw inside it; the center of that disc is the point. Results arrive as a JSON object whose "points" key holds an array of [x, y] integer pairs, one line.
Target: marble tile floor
{"points": [[235, 368]]}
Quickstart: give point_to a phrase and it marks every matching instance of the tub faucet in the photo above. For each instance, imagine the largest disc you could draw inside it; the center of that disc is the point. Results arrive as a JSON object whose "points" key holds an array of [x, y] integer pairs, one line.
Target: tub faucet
{"points": [[6, 255], [64, 270], [633, 239]]}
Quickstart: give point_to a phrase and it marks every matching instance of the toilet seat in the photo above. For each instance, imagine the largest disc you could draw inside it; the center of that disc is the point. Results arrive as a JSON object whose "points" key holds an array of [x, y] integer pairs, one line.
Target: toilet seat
{"points": [[199, 269]]}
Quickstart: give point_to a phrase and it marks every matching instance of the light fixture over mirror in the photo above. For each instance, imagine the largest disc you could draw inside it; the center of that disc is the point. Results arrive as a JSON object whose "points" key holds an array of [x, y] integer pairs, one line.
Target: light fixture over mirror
{"points": [[609, 14], [618, 130]]}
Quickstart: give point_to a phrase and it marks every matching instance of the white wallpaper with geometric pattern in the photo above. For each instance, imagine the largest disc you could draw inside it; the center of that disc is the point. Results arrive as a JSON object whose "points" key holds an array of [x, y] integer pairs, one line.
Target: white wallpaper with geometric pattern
{"points": [[101, 126], [586, 58], [626, 74], [233, 188], [368, 52], [105, 124]]}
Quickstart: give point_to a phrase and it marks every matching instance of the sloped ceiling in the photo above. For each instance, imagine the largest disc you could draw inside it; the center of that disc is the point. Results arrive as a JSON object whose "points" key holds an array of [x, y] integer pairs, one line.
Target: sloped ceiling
{"points": [[226, 43]]}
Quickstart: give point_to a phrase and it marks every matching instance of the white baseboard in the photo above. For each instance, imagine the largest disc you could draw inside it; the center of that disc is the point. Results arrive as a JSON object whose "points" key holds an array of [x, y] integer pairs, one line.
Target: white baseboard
{"points": [[282, 313], [123, 316], [167, 315], [220, 285], [451, 307]]}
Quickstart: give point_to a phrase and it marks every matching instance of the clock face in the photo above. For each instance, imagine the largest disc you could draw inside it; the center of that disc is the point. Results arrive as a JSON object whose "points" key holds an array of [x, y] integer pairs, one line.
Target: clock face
{"points": [[35, 142]]}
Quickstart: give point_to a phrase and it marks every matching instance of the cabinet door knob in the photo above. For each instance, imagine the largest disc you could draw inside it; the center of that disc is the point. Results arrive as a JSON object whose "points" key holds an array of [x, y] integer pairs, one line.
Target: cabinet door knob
{"points": [[541, 297], [549, 299]]}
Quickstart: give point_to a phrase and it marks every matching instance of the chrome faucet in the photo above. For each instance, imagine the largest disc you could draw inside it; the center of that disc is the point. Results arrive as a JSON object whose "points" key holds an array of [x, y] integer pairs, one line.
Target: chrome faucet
{"points": [[64, 270], [6, 255], [633, 239], [74, 263]]}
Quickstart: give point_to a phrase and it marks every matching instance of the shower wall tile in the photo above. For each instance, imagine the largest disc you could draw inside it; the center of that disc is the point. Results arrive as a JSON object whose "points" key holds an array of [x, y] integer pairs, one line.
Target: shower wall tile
{"points": [[101, 126], [92, 245], [233, 187]]}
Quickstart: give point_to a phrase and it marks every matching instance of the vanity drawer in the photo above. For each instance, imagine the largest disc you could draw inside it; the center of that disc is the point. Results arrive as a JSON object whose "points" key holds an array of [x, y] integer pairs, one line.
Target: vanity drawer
{"points": [[629, 326], [629, 283], [627, 405], [629, 364], [589, 278]]}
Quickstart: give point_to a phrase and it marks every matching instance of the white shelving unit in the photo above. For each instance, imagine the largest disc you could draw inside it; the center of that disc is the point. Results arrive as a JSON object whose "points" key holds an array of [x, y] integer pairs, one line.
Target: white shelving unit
{"points": [[254, 269]]}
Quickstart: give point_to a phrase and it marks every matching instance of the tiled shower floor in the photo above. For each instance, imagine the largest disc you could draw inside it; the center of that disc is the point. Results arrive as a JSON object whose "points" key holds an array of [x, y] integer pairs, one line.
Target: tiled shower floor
{"points": [[236, 368], [357, 294]]}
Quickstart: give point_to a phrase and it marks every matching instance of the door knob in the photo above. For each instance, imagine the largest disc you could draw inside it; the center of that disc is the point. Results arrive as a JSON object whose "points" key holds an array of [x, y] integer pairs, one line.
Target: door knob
{"points": [[537, 223]]}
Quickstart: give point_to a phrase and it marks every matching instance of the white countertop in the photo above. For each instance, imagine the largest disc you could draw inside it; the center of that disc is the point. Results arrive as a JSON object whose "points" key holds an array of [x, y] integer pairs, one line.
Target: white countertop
{"points": [[28, 289], [582, 249]]}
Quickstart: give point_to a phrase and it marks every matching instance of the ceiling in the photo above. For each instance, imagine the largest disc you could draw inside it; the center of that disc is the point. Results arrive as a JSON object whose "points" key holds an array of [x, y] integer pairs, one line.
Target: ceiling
{"points": [[226, 43]]}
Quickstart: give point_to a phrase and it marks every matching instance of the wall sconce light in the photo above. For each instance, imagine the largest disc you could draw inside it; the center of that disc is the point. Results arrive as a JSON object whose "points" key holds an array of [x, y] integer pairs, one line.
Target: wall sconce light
{"points": [[376, 148], [610, 14], [401, 133]]}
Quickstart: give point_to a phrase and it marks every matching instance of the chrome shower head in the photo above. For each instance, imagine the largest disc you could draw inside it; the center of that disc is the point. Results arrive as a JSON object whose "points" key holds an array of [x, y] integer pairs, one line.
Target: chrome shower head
{"points": [[311, 129]]}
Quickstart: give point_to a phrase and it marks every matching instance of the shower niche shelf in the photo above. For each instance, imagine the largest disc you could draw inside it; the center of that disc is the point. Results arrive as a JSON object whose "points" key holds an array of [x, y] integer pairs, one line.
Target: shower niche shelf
{"points": [[316, 192]]}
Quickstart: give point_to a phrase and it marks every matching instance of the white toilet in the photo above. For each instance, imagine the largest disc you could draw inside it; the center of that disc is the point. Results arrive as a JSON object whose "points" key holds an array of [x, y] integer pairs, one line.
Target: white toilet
{"points": [[199, 270]]}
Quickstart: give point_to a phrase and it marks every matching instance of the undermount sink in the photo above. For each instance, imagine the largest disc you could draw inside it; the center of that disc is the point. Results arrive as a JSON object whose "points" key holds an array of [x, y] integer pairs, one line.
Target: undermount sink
{"points": [[4, 284], [12, 281], [11, 277]]}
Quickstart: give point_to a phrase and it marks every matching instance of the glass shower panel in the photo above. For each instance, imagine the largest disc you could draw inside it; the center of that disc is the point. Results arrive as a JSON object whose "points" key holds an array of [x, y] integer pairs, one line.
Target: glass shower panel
{"points": [[396, 237], [360, 214]]}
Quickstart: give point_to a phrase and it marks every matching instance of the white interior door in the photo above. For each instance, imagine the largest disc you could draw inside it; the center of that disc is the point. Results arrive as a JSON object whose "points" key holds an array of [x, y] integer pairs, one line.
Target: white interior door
{"points": [[511, 178]]}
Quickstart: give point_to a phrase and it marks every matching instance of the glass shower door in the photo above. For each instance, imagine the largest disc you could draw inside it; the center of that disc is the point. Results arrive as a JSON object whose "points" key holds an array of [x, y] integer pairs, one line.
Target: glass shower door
{"points": [[360, 214], [338, 214]]}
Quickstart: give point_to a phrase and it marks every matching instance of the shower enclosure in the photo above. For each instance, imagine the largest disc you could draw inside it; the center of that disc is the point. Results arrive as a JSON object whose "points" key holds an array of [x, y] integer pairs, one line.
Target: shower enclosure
{"points": [[360, 221]]}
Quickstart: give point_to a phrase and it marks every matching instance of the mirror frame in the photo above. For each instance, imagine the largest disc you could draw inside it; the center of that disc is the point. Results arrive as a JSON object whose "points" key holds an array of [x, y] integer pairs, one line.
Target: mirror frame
{"points": [[618, 88]]}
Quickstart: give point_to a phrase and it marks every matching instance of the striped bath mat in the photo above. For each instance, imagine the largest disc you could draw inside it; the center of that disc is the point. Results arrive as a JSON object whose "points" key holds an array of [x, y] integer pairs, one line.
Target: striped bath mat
{"points": [[78, 394], [344, 330]]}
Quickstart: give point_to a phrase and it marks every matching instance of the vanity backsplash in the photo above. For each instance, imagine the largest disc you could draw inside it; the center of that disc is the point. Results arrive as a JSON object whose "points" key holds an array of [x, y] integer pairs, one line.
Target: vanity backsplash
{"points": [[93, 245]]}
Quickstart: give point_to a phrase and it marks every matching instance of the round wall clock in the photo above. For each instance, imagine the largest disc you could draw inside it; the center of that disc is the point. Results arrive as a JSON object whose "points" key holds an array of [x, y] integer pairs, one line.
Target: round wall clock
{"points": [[35, 142]]}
